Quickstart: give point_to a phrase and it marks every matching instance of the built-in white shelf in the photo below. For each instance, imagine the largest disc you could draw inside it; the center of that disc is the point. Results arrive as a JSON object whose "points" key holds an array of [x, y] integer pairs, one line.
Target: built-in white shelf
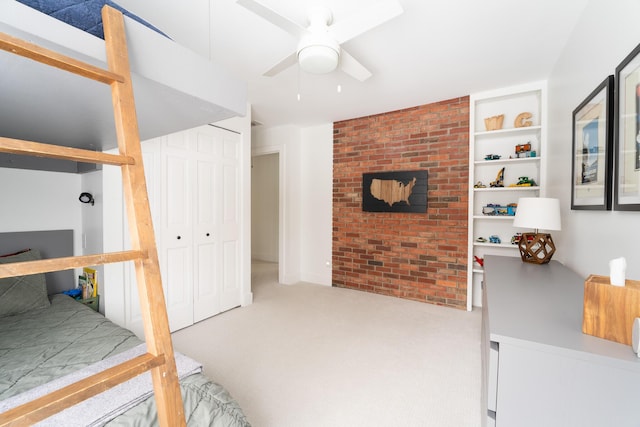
{"points": [[496, 245], [509, 130], [507, 161], [498, 189], [495, 217], [511, 103]]}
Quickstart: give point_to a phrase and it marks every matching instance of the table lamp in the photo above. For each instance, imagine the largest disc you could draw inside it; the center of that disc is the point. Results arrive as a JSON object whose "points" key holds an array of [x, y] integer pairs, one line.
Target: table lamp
{"points": [[537, 213]]}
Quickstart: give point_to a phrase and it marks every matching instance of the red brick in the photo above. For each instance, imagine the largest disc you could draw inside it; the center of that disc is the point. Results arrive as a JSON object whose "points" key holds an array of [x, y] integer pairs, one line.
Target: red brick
{"points": [[420, 257]]}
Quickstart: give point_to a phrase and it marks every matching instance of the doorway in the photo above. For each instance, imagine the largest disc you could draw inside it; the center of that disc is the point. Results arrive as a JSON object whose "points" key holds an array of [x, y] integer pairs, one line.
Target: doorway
{"points": [[265, 209]]}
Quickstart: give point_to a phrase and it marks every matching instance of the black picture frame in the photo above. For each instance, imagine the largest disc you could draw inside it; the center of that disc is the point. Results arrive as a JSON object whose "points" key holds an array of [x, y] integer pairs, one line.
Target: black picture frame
{"points": [[627, 133], [397, 191], [592, 159]]}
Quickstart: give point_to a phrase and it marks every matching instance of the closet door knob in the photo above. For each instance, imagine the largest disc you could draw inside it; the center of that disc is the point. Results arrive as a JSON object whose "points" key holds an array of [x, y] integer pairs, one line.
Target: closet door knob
{"points": [[179, 237], [208, 234]]}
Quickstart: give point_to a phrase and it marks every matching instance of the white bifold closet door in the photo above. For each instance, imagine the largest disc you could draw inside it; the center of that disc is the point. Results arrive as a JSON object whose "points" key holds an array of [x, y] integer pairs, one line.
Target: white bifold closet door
{"points": [[200, 228], [197, 221]]}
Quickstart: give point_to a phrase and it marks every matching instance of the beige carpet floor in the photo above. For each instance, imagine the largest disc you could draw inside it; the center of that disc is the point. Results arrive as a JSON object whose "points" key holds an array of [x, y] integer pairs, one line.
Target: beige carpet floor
{"points": [[309, 355]]}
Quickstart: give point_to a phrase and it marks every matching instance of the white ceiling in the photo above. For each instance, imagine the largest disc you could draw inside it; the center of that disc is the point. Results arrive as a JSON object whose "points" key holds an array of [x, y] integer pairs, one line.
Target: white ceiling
{"points": [[435, 50]]}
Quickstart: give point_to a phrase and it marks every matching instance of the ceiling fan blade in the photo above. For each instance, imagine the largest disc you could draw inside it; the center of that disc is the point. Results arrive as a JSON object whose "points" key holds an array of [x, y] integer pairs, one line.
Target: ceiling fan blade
{"points": [[282, 65], [351, 66], [365, 20], [273, 17]]}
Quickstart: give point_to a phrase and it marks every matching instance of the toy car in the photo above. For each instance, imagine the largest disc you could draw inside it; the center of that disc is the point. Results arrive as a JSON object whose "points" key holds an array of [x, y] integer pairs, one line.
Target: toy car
{"points": [[495, 209], [523, 150], [494, 239], [492, 157], [490, 209], [515, 239], [524, 181]]}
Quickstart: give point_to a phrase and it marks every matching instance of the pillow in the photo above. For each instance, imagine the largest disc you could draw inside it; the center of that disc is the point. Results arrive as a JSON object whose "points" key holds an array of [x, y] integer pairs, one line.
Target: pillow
{"points": [[22, 293], [15, 253]]}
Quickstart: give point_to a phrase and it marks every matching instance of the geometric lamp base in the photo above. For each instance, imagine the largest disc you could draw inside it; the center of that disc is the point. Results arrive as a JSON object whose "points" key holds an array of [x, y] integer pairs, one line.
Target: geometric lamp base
{"points": [[537, 248]]}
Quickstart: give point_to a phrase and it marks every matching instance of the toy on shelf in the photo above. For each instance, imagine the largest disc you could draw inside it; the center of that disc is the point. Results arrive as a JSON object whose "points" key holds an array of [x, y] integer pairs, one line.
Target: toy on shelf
{"points": [[494, 123], [479, 260], [479, 184], [524, 181], [499, 210], [515, 239], [524, 151], [499, 182], [481, 240], [522, 120], [492, 157], [494, 239]]}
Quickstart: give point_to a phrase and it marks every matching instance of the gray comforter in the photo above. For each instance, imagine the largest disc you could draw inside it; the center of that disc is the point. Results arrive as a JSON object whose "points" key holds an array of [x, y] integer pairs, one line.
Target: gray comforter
{"points": [[41, 345]]}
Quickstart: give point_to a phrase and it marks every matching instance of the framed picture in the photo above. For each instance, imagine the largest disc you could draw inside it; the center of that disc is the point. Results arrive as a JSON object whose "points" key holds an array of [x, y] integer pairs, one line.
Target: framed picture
{"points": [[592, 158], [627, 157]]}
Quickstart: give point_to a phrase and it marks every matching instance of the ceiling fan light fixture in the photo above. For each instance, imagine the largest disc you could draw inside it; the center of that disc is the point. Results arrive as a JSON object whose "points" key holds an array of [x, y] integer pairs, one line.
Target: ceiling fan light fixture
{"points": [[318, 53], [318, 59]]}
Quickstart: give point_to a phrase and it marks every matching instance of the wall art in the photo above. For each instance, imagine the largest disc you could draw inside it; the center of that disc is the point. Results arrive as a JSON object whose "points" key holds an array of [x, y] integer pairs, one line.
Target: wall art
{"points": [[398, 191], [627, 158], [592, 158]]}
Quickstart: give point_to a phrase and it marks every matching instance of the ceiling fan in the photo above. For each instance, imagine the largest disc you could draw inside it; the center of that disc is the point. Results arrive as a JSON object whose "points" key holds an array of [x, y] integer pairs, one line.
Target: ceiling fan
{"points": [[319, 49]]}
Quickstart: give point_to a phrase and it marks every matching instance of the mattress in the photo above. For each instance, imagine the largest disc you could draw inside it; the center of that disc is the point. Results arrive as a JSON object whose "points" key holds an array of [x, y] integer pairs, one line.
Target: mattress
{"points": [[43, 345], [83, 14]]}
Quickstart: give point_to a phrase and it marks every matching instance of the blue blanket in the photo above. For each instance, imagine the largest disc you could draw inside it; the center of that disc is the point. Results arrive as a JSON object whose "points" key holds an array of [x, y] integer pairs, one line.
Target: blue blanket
{"points": [[83, 14]]}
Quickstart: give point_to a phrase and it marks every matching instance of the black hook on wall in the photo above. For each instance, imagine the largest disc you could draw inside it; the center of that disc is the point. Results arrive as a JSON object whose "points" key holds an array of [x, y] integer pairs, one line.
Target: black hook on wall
{"points": [[86, 198]]}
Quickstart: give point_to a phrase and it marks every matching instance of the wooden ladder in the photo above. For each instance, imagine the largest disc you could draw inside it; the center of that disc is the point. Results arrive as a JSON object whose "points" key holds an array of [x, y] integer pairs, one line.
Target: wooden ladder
{"points": [[159, 358]]}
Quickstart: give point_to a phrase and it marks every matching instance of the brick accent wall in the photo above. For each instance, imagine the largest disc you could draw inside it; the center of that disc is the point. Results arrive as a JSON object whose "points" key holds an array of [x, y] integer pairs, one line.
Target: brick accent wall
{"points": [[416, 256]]}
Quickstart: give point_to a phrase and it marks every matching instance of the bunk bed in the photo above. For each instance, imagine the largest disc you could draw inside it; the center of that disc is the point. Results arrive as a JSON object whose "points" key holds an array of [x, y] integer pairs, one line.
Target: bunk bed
{"points": [[47, 342], [59, 359], [175, 89]]}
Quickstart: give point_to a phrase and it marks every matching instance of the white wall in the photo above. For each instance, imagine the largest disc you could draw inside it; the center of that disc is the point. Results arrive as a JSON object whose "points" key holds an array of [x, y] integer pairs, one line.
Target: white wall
{"points": [[317, 204], [306, 170], [38, 200], [264, 207], [92, 221], [605, 34]]}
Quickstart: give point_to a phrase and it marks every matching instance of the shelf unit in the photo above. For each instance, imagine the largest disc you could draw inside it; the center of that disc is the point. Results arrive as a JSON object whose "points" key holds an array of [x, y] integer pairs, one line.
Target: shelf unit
{"points": [[529, 98]]}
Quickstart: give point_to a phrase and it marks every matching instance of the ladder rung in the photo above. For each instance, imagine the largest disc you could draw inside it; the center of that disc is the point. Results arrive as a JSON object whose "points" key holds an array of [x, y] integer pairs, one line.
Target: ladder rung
{"points": [[45, 406], [49, 57], [29, 148], [67, 263]]}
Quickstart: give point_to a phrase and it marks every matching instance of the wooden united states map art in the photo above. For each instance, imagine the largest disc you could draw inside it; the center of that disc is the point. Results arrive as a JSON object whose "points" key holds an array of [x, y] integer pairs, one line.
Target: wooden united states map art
{"points": [[400, 191]]}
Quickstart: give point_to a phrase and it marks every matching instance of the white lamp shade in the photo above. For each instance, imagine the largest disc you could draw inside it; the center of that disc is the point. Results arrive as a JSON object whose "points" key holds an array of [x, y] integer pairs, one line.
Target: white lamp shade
{"points": [[538, 213]]}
